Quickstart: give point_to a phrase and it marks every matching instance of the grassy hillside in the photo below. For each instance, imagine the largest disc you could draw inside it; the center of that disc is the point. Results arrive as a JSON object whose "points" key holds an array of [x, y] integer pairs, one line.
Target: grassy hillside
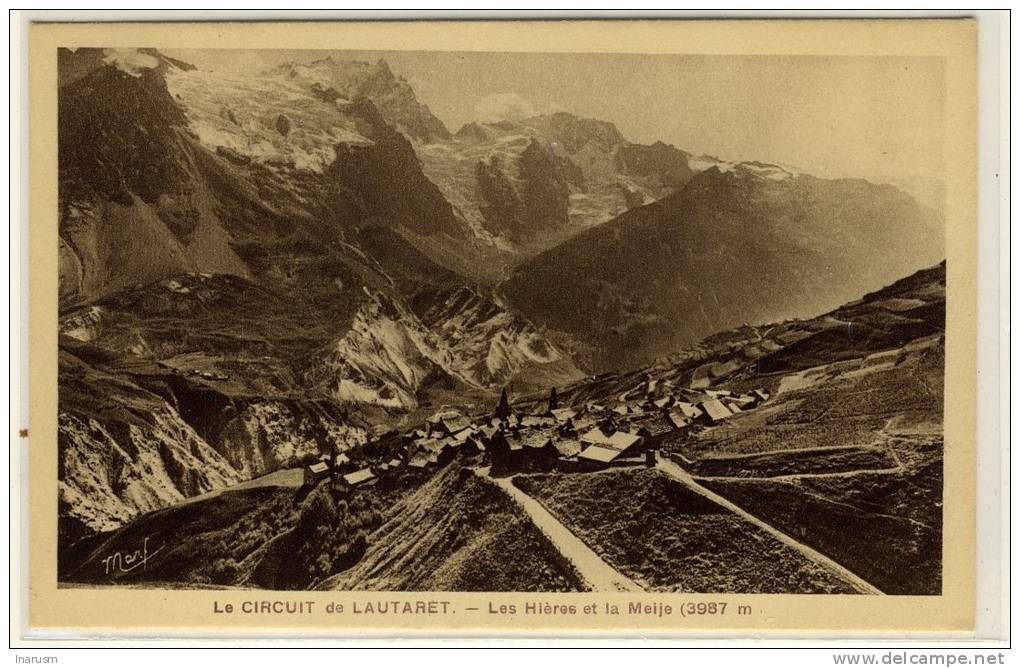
{"points": [[670, 539], [458, 532]]}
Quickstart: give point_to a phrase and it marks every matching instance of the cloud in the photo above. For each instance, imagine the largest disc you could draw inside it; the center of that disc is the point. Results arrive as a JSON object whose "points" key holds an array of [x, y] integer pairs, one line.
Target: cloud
{"points": [[130, 61], [503, 107]]}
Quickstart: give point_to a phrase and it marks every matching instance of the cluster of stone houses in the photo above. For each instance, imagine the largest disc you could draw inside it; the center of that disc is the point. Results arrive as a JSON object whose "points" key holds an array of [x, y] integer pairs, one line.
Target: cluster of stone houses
{"points": [[344, 473], [587, 437]]}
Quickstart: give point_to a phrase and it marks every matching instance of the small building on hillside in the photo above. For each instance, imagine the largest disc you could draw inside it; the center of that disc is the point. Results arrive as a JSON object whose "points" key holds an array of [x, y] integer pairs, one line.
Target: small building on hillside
{"points": [[504, 452], [474, 447], [422, 460], [430, 445], [539, 451], [316, 472], [663, 403], [594, 436], [359, 478], [678, 419], [745, 401], [454, 424], [714, 411], [622, 441], [653, 429], [568, 447], [598, 455], [688, 410]]}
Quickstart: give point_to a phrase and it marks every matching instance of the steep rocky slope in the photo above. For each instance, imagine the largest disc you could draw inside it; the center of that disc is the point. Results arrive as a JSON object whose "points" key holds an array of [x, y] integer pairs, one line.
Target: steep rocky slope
{"points": [[457, 532], [728, 248], [135, 435], [190, 200], [526, 186], [338, 81]]}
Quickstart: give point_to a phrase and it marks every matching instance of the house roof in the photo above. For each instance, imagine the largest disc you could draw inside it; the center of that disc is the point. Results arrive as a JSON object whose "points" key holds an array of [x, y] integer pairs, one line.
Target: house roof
{"points": [[455, 424], [431, 445], [463, 434], [319, 467], [514, 441], [656, 426], [762, 394], [715, 409], [394, 462], [664, 402], [359, 476], [568, 447], [595, 435], [679, 419], [536, 421], [599, 453], [420, 460], [622, 440], [688, 410], [342, 459], [564, 414], [536, 440], [439, 416]]}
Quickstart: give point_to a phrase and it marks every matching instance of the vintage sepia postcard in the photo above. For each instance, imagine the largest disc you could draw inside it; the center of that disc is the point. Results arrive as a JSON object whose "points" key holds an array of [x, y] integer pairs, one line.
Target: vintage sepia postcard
{"points": [[544, 328]]}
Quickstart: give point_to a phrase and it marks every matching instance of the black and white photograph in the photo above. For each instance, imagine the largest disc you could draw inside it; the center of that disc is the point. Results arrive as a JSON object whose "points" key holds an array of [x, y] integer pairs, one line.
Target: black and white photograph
{"points": [[500, 322]]}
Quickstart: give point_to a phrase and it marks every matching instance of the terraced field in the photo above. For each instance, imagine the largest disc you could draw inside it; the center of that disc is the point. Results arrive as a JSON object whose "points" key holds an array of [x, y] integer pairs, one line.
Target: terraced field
{"points": [[668, 538], [887, 528]]}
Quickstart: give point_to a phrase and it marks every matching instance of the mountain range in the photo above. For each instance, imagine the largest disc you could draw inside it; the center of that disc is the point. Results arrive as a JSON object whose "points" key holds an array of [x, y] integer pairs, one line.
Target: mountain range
{"points": [[253, 265]]}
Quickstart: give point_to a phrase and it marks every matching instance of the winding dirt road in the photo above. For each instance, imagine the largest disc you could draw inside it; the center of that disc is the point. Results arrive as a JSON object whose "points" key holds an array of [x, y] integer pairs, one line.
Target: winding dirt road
{"points": [[677, 473], [599, 575]]}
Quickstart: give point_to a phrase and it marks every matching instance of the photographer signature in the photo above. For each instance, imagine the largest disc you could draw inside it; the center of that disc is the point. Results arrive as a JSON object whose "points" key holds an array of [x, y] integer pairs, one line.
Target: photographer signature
{"points": [[125, 562]]}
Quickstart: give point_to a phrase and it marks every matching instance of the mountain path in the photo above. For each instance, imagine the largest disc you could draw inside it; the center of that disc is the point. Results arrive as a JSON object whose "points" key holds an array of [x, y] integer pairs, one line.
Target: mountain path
{"points": [[596, 572], [794, 477], [683, 477]]}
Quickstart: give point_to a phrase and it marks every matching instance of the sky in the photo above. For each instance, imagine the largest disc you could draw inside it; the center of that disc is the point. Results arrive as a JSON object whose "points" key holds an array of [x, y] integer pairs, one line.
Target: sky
{"points": [[880, 118]]}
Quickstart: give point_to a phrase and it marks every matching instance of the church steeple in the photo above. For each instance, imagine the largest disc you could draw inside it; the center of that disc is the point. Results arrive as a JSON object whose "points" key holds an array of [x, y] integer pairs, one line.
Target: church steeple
{"points": [[503, 408], [554, 401]]}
